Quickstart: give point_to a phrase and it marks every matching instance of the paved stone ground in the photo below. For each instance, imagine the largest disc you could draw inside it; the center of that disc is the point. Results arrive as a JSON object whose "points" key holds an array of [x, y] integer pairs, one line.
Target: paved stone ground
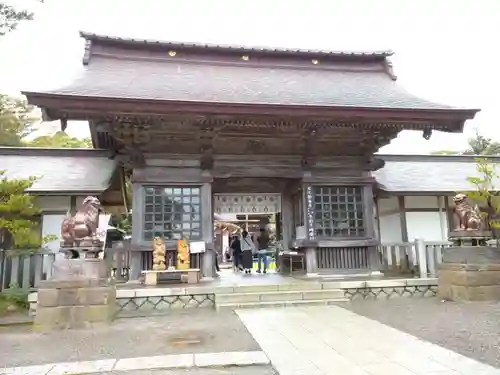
{"points": [[471, 329], [331, 340], [193, 331], [250, 370]]}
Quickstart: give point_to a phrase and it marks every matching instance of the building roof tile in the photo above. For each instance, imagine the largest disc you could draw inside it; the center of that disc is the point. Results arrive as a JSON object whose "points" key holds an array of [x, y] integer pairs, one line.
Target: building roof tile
{"points": [[121, 68], [428, 173], [60, 170]]}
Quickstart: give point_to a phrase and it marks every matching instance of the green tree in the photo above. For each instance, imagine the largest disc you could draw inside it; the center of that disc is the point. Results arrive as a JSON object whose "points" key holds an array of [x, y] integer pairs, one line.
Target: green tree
{"points": [[59, 140], [10, 17], [18, 229], [16, 120], [478, 145], [486, 194], [124, 221]]}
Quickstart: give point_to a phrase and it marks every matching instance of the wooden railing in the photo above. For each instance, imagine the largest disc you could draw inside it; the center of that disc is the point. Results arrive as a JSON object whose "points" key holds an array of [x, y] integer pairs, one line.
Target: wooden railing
{"points": [[419, 258], [25, 270]]}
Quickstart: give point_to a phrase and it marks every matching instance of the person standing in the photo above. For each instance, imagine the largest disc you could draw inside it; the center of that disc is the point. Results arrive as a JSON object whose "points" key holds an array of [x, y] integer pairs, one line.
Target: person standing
{"points": [[263, 241], [247, 250], [236, 249]]}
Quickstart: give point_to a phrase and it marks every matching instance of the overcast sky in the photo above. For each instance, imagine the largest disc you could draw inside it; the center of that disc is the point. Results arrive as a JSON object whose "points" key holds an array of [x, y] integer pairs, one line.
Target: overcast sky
{"points": [[446, 50]]}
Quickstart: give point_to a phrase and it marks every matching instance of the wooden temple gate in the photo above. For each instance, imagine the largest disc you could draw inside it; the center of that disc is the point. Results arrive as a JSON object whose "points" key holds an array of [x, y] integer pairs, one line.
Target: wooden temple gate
{"points": [[190, 121]]}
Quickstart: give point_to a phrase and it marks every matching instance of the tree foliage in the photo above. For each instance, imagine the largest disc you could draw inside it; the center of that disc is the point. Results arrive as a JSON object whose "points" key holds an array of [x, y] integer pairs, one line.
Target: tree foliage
{"points": [[124, 221], [60, 140], [16, 123], [485, 194], [11, 16], [18, 229], [16, 120], [478, 145]]}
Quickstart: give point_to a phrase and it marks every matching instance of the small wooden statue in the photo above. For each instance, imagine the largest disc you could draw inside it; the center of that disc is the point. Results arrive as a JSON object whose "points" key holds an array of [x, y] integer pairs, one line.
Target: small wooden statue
{"points": [[183, 254], [158, 254]]}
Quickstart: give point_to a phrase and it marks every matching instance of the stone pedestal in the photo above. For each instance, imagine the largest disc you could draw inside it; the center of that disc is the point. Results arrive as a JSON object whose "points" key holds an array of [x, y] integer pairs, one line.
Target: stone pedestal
{"points": [[470, 272], [77, 296]]}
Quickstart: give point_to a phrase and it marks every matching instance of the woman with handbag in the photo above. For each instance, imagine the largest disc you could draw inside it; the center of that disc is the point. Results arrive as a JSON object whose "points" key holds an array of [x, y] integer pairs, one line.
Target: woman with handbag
{"points": [[247, 250]]}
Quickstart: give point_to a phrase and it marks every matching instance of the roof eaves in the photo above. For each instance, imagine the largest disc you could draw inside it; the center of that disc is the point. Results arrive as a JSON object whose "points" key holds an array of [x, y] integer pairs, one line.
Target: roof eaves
{"points": [[435, 158], [460, 114]]}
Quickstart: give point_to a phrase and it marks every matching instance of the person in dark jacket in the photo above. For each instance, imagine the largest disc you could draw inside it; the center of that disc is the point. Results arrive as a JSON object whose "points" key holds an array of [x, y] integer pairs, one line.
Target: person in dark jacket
{"points": [[236, 248]]}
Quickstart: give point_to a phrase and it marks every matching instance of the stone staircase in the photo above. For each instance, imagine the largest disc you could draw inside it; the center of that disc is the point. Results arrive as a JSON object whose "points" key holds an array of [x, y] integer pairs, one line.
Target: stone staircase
{"points": [[284, 295]]}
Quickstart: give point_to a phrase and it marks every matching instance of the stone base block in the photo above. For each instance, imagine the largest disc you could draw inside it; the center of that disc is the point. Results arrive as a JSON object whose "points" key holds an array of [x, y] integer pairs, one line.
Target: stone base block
{"points": [[75, 303], [469, 282], [66, 269]]}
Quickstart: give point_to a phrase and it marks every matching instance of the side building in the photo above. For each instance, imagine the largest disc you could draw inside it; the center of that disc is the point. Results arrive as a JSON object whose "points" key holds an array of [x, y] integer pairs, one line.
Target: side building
{"points": [[64, 178]]}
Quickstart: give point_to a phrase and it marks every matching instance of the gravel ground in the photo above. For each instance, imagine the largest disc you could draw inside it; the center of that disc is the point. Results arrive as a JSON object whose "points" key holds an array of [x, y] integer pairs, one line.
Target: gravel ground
{"points": [[194, 331], [471, 329], [250, 370]]}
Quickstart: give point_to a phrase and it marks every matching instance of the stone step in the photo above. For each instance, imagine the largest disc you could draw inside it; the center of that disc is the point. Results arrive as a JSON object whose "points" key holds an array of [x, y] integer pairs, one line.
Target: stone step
{"points": [[279, 296], [300, 286], [263, 304]]}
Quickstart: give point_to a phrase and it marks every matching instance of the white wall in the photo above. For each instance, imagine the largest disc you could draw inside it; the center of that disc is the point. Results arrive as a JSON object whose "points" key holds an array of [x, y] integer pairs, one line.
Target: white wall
{"points": [[421, 202], [425, 225], [390, 228], [430, 226], [51, 225], [53, 203], [388, 205]]}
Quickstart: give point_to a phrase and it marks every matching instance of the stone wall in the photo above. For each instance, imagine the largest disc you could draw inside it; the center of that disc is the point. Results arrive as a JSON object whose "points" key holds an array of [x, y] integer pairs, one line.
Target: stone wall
{"points": [[385, 289], [139, 301]]}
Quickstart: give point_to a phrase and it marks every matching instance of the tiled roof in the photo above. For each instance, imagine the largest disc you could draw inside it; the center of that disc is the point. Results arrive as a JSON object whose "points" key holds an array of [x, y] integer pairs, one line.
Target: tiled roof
{"points": [[428, 173], [60, 170], [236, 48], [124, 70], [203, 82]]}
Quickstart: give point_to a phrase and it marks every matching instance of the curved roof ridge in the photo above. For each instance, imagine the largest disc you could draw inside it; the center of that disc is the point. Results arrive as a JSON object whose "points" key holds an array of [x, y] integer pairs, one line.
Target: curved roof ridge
{"points": [[88, 36]]}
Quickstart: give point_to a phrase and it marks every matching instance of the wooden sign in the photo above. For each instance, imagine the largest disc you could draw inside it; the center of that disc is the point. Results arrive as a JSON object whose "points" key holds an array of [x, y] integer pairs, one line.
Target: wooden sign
{"points": [[196, 247]]}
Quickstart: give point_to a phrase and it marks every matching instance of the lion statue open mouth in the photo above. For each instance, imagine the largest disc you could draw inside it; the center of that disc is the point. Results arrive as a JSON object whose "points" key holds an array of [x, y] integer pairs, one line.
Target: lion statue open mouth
{"points": [[82, 226], [466, 215]]}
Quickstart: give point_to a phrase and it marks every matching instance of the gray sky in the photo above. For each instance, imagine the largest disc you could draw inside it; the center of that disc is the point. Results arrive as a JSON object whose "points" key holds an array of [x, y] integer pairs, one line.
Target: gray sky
{"points": [[446, 50]]}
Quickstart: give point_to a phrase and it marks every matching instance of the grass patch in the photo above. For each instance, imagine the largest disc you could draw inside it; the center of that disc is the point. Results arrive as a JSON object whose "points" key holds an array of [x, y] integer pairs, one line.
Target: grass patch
{"points": [[12, 300]]}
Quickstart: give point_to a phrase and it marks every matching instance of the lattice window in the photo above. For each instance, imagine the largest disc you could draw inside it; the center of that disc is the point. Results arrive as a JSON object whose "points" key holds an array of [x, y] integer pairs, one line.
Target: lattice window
{"points": [[338, 211], [172, 212]]}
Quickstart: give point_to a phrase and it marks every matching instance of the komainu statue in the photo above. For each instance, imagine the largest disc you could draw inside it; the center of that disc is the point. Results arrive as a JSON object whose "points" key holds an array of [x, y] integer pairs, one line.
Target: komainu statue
{"points": [[158, 254], [467, 215], [83, 226]]}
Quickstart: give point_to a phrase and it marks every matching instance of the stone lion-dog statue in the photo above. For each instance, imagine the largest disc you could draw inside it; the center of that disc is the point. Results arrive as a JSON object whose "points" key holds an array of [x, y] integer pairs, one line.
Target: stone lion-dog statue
{"points": [[82, 226], [466, 215]]}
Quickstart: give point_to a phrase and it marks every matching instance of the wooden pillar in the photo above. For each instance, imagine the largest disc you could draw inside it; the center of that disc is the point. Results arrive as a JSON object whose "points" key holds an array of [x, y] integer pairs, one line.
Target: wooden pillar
{"points": [[207, 227], [369, 210], [137, 233], [286, 218], [402, 218]]}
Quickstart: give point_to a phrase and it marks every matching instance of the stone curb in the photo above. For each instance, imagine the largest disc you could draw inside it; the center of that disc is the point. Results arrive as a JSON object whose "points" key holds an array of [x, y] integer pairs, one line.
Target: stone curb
{"points": [[177, 361]]}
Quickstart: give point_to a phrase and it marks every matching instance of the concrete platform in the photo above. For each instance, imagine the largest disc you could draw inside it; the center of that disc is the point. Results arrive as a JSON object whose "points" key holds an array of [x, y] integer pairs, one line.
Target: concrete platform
{"points": [[240, 290]]}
